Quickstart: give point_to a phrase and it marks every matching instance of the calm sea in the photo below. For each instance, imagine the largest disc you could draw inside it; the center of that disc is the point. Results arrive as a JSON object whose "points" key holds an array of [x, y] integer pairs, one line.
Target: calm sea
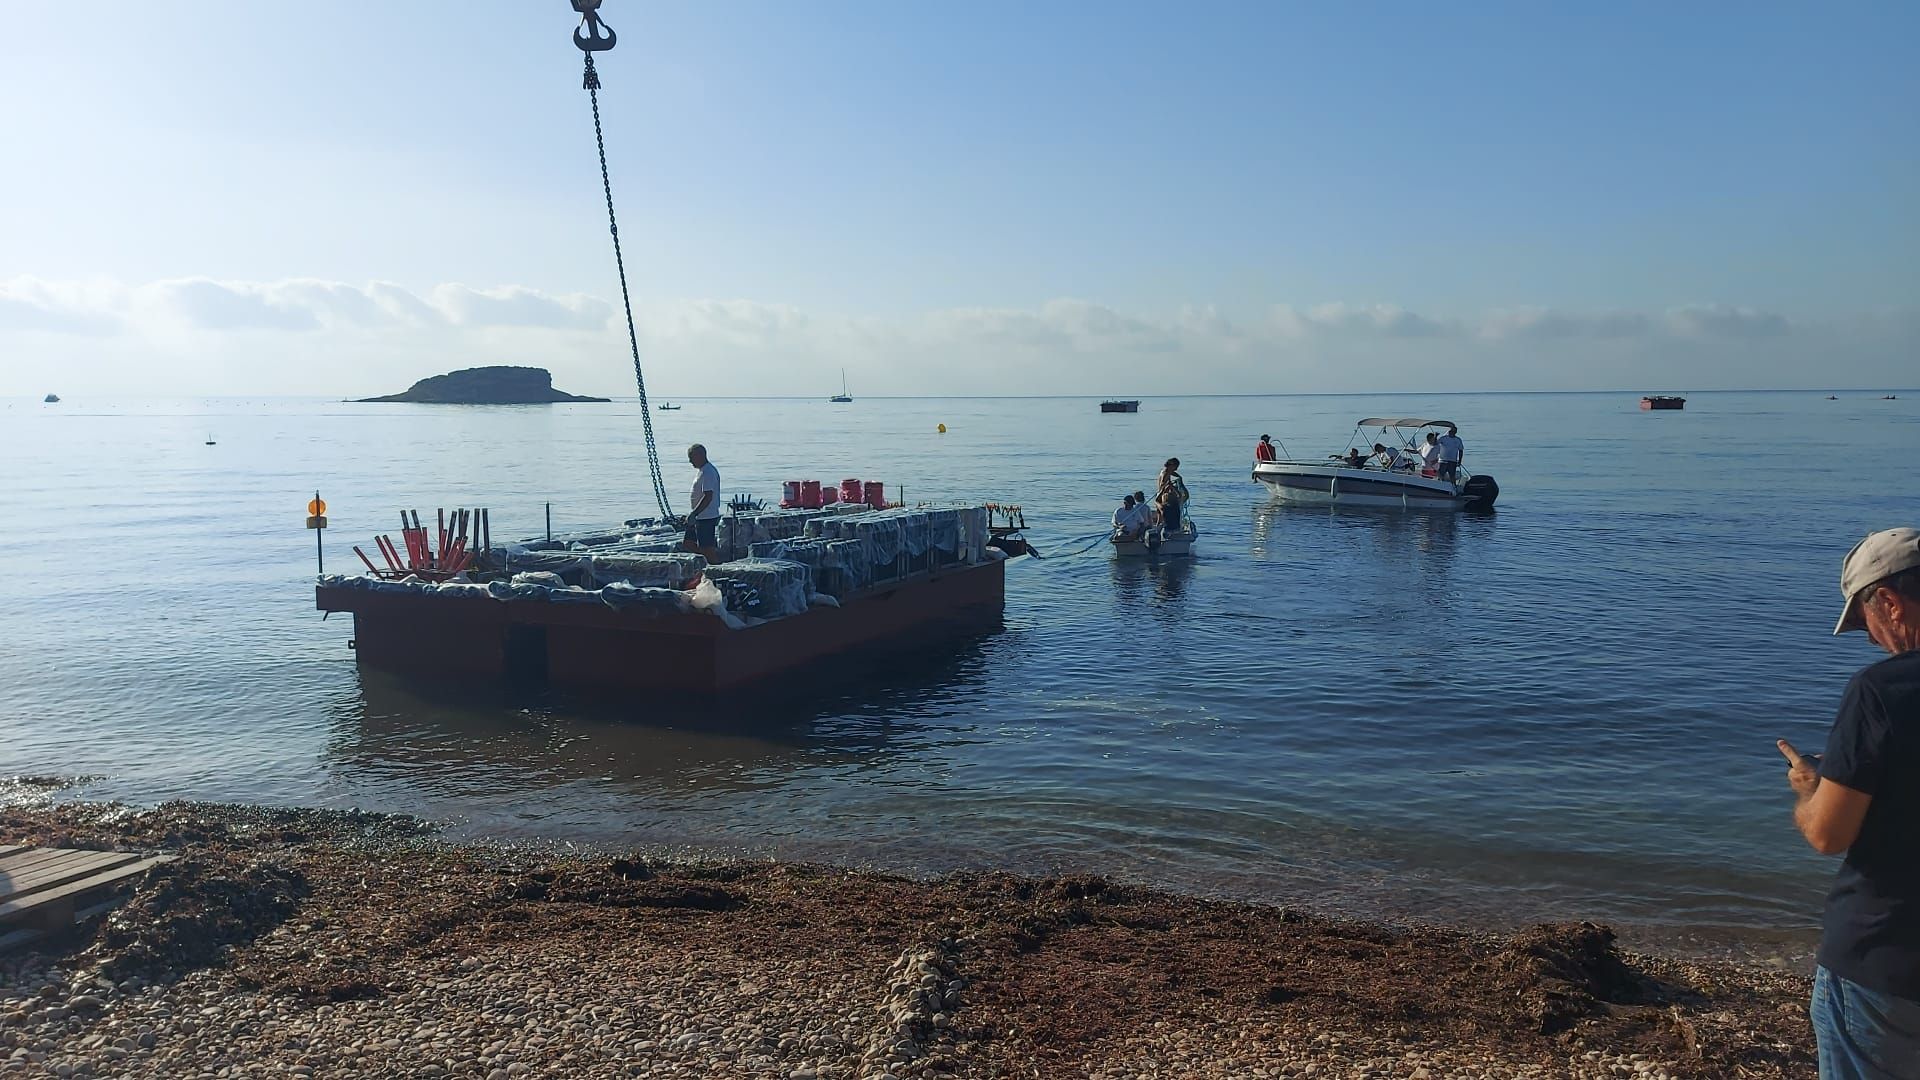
{"points": [[1563, 709]]}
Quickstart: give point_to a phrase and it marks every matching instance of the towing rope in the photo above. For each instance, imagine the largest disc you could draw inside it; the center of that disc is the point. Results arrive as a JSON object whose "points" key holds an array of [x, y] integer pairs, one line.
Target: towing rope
{"points": [[589, 39]]}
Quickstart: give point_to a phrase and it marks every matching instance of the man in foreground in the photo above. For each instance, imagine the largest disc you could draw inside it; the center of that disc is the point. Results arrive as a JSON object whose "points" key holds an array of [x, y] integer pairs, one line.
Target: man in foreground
{"points": [[703, 520], [1862, 797]]}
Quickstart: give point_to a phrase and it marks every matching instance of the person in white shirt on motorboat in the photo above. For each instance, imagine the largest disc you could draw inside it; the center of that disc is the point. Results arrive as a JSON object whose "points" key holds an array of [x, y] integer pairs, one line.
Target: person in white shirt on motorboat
{"points": [[1391, 457], [1430, 455], [1452, 453]]}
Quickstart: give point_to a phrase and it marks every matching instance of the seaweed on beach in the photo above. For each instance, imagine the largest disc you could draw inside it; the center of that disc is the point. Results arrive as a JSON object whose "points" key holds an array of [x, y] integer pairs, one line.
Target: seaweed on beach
{"points": [[187, 912]]}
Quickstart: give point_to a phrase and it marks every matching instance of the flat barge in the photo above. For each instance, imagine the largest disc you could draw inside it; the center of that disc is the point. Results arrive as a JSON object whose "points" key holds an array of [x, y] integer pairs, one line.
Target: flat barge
{"points": [[623, 611]]}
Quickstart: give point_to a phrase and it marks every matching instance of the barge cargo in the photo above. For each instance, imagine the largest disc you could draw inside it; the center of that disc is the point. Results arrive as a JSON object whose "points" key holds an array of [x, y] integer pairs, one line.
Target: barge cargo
{"points": [[623, 610]]}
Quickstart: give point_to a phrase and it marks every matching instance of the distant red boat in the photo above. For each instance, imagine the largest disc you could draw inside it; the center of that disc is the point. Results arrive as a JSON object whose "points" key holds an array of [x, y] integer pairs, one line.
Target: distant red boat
{"points": [[1662, 401]]}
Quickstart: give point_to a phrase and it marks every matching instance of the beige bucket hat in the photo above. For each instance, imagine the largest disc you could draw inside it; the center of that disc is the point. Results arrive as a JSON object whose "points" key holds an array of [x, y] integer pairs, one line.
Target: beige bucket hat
{"points": [[1881, 555]]}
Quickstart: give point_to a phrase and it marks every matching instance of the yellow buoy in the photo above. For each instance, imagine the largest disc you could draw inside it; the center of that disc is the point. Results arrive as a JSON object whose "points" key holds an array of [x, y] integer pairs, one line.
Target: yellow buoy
{"points": [[943, 429]]}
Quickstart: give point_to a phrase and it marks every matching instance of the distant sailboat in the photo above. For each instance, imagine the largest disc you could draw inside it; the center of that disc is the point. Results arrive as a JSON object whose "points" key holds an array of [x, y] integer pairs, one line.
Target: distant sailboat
{"points": [[842, 396], [210, 438]]}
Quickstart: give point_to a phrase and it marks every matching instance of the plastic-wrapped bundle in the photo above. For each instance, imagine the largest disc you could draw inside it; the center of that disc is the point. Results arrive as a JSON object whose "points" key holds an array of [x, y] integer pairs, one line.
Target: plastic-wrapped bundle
{"points": [[623, 597], [849, 562], [658, 570], [763, 588], [591, 570], [740, 532], [827, 560], [975, 532]]}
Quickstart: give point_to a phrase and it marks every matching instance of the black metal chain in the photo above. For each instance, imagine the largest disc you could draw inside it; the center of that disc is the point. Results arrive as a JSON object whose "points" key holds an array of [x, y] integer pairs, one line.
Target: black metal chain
{"points": [[591, 83]]}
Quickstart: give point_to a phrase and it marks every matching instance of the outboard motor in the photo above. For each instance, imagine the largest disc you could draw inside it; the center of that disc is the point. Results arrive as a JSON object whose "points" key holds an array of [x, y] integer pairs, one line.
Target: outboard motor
{"points": [[1479, 491]]}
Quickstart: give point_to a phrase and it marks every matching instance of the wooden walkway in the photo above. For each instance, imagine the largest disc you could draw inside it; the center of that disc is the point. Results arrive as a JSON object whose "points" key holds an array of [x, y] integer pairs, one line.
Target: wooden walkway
{"points": [[43, 890]]}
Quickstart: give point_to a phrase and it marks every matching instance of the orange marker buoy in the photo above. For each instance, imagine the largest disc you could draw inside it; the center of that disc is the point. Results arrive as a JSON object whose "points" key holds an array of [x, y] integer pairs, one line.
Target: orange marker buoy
{"points": [[315, 507]]}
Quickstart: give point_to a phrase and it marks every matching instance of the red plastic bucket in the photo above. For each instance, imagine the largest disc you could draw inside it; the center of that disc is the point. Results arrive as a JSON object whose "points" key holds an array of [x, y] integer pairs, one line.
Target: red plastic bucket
{"points": [[876, 493], [829, 495], [810, 494], [790, 494], [850, 491]]}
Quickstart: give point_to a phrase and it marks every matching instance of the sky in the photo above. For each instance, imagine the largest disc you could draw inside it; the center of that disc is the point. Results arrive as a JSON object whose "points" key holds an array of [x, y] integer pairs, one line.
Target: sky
{"points": [[218, 198]]}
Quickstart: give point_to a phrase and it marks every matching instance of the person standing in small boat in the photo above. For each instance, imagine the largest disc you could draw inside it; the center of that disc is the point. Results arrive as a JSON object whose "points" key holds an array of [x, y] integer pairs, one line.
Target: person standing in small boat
{"points": [[1172, 496]]}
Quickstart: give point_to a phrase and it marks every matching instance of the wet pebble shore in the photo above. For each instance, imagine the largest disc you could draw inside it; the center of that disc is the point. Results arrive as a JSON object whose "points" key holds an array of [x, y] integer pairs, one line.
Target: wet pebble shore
{"points": [[315, 944]]}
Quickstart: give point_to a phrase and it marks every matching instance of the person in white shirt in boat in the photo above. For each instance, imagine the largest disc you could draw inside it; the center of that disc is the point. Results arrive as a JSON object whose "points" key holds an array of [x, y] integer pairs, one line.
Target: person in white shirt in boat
{"points": [[1146, 509], [1391, 457], [1430, 455], [1130, 521]]}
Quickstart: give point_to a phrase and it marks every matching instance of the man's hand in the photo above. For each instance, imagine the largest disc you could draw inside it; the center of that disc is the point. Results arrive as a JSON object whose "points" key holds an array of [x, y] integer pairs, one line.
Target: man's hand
{"points": [[1803, 773], [1829, 813]]}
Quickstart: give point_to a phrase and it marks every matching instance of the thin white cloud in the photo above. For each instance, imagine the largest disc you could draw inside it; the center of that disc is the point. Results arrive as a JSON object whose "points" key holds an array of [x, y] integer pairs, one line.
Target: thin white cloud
{"points": [[1545, 324], [340, 337], [516, 305], [1723, 321]]}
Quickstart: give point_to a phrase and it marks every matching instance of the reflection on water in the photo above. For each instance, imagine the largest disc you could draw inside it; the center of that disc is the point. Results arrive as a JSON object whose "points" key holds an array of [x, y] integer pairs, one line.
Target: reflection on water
{"points": [[1151, 585], [449, 734]]}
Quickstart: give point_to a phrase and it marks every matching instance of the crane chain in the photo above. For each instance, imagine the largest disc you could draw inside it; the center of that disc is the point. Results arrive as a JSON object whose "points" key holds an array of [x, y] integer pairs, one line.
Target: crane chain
{"points": [[590, 82]]}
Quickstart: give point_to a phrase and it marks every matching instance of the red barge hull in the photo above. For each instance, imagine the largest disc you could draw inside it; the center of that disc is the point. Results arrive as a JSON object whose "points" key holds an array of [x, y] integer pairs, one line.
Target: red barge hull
{"points": [[586, 645]]}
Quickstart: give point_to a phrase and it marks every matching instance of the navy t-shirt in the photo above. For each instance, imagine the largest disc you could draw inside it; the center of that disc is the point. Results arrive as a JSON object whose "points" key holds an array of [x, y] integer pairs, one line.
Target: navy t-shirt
{"points": [[1872, 933]]}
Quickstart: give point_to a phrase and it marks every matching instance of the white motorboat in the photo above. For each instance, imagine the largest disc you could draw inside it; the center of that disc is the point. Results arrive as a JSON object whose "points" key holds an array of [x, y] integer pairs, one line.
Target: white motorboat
{"points": [[1157, 543], [1338, 481]]}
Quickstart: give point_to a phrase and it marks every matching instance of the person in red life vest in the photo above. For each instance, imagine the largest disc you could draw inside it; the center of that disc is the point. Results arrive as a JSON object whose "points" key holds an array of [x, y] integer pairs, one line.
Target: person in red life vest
{"points": [[1263, 450]]}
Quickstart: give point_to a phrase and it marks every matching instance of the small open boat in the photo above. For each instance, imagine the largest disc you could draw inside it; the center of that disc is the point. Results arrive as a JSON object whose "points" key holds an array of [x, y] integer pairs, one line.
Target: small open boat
{"points": [[1663, 401], [668, 406], [1158, 543]]}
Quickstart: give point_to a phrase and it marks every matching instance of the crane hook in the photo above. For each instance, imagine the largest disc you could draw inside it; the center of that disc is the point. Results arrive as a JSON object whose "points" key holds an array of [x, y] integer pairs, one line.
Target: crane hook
{"points": [[588, 38]]}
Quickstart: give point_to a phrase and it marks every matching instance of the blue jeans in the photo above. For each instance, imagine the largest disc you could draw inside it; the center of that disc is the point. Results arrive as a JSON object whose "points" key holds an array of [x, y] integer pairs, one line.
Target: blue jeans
{"points": [[1864, 1034]]}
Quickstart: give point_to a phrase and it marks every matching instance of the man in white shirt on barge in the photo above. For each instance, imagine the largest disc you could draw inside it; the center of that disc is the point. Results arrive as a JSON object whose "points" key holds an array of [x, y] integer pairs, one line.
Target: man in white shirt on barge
{"points": [[703, 521]]}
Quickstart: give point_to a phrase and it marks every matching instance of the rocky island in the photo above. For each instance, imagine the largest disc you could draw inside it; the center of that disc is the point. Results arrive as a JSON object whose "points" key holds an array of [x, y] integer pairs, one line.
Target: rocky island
{"points": [[486, 386]]}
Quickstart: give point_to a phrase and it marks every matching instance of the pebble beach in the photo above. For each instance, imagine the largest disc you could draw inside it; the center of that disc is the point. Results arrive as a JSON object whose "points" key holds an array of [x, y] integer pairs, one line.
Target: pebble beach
{"points": [[319, 943]]}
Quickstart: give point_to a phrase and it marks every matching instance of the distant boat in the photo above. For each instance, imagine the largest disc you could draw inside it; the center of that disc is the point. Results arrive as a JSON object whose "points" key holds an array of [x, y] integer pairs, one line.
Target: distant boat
{"points": [[1833, 397], [668, 406], [842, 397], [210, 439], [52, 399], [1663, 401], [1888, 397], [1120, 406]]}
